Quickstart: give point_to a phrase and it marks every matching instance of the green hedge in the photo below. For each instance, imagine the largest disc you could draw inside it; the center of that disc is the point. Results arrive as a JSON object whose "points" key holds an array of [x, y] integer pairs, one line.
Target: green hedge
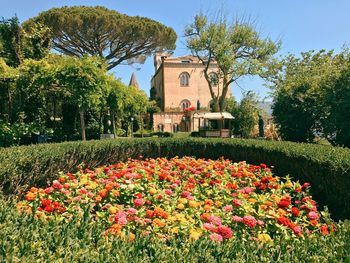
{"points": [[326, 168]]}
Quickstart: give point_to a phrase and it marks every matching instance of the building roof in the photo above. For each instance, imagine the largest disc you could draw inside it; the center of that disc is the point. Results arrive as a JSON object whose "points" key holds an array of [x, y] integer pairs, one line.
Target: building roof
{"points": [[133, 82]]}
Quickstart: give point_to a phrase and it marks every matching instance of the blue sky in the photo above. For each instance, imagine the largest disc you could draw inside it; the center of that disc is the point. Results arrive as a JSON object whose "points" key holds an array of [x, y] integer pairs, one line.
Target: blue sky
{"points": [[302, 25]]}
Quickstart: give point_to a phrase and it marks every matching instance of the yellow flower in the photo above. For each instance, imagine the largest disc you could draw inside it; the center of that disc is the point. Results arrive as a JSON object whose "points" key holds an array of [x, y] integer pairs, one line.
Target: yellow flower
{"points": [[183, 201], [193, 204], [92, 185], [112, 210], [195, 234], [180, 206], [172, 218], [152, 191], [84, 179], [174, 230], [265, 238], [288, 184]]}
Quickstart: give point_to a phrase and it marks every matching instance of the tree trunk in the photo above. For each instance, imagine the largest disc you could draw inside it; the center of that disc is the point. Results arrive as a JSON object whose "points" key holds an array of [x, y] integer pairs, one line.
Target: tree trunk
{"points": [[141, 123], [113, 124], [82, 124]]}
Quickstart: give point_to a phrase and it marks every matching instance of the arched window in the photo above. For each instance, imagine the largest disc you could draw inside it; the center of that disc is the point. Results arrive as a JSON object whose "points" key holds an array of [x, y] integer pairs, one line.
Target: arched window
{"points": [[184, 79], [185, 104], [214, 79]]}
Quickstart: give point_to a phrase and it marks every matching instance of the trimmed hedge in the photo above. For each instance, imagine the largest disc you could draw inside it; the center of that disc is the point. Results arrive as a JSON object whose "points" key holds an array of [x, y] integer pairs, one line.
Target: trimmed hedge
{"points": [[326, 168]]}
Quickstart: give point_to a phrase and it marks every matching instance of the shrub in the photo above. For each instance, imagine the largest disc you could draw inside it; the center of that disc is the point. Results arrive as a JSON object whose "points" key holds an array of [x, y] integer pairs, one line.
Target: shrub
{"points": [[326, 168]]}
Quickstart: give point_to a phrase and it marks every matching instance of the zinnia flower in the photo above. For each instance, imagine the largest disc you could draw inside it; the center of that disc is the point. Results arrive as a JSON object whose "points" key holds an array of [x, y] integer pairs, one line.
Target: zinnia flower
{"points": [[225, 232], [216, 237], [138, 202], [249, 221]]}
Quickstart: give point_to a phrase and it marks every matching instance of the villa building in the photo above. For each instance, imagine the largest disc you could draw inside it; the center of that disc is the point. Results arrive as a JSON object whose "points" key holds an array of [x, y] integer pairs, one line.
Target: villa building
{"points": [[179, 87]]}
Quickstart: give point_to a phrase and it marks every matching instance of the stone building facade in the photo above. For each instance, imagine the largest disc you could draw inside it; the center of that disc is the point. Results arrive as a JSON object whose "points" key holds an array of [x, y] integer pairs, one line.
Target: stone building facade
{"points": [[179, 87]]}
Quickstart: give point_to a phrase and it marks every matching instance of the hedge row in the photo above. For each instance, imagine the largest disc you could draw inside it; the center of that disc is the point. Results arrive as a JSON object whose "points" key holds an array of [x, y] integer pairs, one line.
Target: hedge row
{"points": [[326, 168]]}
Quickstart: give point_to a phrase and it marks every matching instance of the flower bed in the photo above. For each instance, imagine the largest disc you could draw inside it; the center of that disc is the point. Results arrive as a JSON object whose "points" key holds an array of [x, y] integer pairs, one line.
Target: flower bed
{"points": [[185, 197]]}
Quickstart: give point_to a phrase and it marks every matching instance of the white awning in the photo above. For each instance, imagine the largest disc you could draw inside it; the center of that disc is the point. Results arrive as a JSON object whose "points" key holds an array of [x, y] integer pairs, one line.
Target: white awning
{"points": [[213, 115]]}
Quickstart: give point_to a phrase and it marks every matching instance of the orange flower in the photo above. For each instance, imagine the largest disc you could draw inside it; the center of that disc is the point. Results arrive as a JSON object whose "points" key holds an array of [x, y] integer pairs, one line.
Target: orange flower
{"points": [[252, 200], [103, 193], [98, 198], [209, 202], [115, 193], [30, 196], [33, 189], [131, 237], [109, 186], [207, 208], [268, 203], [157, 222]]}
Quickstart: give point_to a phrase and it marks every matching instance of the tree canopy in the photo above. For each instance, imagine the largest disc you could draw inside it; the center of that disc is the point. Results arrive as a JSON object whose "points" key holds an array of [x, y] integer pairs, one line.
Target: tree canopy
{"points": [[236, 49], [312, 97], [98, 31], [18, 43]]}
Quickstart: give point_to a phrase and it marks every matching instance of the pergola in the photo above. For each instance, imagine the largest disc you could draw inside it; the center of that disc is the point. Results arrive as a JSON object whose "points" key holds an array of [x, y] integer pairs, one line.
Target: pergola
{"points": [[222, 127]]}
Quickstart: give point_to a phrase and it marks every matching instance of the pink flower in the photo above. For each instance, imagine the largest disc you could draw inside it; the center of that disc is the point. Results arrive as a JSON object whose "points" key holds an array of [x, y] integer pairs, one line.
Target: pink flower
{"points": [[48, 190], [138, 202], [250, 221], [83, 191], [89, 194], [237, 202], [297, 230], [237, 218], [77, 199], [168, 191], [131, 211], [227, 208], [215, 220], [120, 214], [122, 221], [216, 237], [185, 194], [65, 191], [246, 190], [261, 223], [208, 226], [57, 185], [313, 215]]}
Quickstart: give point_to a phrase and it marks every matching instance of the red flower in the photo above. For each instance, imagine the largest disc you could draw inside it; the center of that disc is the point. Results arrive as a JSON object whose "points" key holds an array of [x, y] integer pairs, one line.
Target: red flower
{"points": [[283, 221], [324, 229], [295, 211], [250, 221], [225, 231], [138, 202], [45, 202], [149, 213], [49, 208], [284, 202], [262, 165]]}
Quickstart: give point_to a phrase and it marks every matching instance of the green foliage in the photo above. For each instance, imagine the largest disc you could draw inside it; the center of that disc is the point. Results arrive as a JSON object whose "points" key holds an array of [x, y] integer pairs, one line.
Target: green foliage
{"points": [[325, 167], [98, 31], [235, 48], [22, 238], [17, 43], [311, 97], [245, 114]]}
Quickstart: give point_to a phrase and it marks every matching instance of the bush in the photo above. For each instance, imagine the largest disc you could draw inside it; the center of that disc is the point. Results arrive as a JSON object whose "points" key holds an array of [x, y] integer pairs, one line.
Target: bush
{"points": [[326, 168]]}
